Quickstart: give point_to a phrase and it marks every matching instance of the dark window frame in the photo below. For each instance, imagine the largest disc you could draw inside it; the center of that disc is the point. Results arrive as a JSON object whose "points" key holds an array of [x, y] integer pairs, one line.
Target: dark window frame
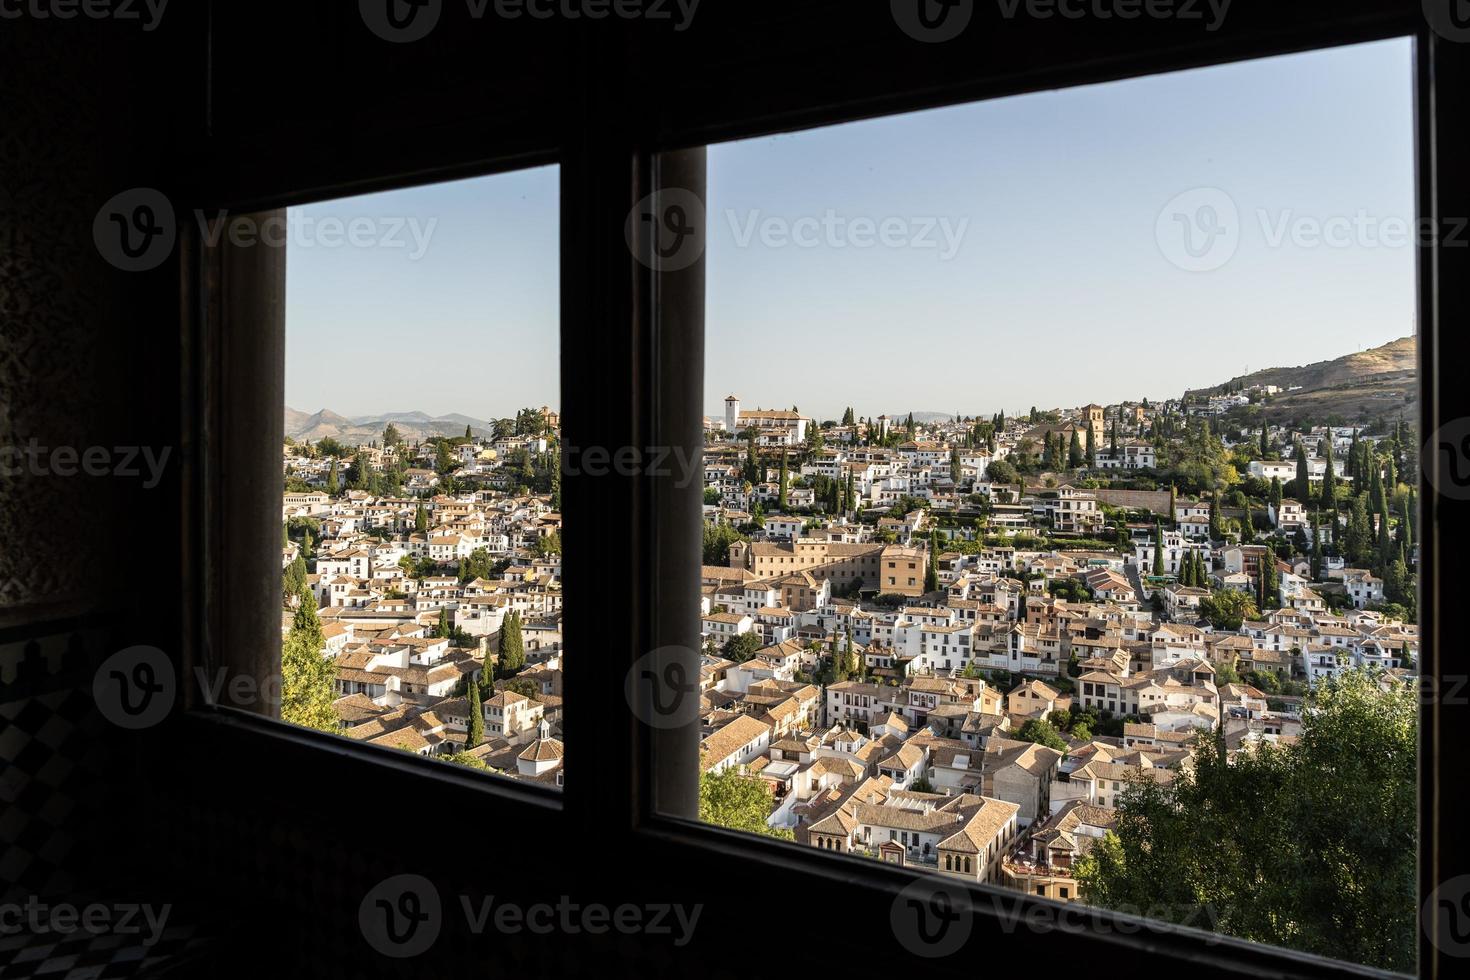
{"points": [[626, 354]]}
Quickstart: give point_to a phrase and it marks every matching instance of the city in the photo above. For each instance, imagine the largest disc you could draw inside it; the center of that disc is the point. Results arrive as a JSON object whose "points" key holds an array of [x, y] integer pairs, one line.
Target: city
{"points": [[973, 646]]}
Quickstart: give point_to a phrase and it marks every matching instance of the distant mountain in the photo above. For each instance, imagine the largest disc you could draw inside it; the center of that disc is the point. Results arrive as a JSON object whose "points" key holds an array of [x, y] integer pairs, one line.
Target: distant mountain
{"points": [[362, 429], [1376, 383]]}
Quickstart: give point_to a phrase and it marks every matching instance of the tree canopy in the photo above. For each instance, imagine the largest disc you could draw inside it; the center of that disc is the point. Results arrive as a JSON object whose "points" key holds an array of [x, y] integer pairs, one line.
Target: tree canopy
{"points": [[1310, 845]]}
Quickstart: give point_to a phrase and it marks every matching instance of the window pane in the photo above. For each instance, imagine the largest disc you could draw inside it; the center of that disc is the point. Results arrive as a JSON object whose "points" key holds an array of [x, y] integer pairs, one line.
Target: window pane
{"points": [[1060, 467], [422, 535]]}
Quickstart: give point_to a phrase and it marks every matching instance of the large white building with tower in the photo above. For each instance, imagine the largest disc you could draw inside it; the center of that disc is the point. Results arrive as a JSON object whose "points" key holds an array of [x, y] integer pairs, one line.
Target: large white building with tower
{"points": [[781, 427]]}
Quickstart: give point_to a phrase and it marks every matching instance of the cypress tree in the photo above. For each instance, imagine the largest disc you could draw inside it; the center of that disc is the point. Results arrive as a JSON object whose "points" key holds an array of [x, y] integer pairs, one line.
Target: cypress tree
{"points": [[781, 492], [1247, 525], [1074, 451], [512, 646], [1091, 448], [475, 723], [1275, 493], [1173, 504], [487, 675], [420, 519], [1385, 543], [1158, 548], [931, 574], [1303, 488], [1217, 529], [1265, 441], [332, 481], [1329, 483]]}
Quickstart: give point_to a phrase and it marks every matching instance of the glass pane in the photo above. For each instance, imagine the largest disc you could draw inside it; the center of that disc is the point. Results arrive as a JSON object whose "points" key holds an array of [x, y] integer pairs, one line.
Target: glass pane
{"points": [[421, 534], [1060, 496]]}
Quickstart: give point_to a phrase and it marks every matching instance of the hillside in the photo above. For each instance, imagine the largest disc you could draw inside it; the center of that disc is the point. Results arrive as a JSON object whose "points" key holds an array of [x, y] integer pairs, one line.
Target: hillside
{"points": [[362, 429], [1376, 383]]}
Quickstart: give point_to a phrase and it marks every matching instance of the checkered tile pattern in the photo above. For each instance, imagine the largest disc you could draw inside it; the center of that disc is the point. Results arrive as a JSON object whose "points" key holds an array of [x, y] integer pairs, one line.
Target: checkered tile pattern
{"points": [[67, 806], [51, 763], [83, 956]]}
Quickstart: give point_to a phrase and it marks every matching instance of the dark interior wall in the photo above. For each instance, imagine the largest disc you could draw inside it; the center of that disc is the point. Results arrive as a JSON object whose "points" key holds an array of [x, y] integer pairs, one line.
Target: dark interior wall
{"points": [[272, 843], [89, 360]]}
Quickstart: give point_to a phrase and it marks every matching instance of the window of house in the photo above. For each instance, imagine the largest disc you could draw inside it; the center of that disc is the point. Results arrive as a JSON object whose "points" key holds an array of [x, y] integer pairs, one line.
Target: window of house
{"points": [[421, 515], [1265, 223]]}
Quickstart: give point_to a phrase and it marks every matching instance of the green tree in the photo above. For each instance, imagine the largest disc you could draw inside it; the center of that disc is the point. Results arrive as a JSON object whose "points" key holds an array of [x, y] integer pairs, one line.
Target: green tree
{"points": [[739, 649], [332, 479], [1226, 609], [1358, 536], [1311, 846], [475, 728], [781, 490], [1329, 482], [1074, 451], [1042, 732], [293, 580], [420, 519], [1158, 548], [717, 541], [1316, 559], [1302, 490], [931, 571], [738, 802], [512, 645], [308, 679]]}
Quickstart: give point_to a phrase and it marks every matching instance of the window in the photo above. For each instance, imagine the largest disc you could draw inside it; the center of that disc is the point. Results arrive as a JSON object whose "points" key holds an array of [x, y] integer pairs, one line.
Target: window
{"points": [[421, 534], [803, 240]]}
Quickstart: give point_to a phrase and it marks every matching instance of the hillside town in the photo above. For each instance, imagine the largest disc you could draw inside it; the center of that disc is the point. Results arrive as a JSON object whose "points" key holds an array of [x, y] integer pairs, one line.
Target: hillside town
{"points": [[951, 643]]}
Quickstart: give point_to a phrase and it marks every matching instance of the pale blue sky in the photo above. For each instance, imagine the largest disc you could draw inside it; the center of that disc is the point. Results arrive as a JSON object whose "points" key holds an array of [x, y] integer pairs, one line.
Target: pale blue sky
{"points": [[1058, 291]]}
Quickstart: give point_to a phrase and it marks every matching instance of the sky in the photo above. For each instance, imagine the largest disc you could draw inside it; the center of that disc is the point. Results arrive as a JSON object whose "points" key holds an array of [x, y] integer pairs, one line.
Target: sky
{"points": [[1091, 244]]}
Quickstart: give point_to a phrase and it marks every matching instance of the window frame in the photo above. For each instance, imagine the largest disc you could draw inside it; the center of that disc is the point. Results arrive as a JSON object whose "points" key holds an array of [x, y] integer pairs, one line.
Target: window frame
{"points": [[619, 388]]}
